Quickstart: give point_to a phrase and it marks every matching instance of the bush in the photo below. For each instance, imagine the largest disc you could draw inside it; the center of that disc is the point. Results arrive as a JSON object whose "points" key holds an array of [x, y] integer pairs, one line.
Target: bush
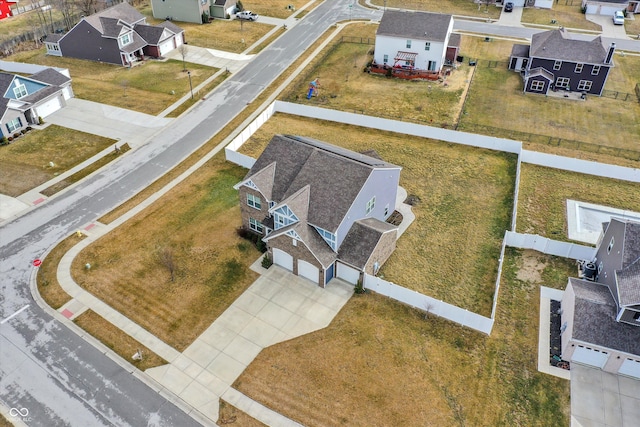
{"points": [[359, 288], [15, 135], [10, 139], [23, 131], [4, 140], [261, 246], [29, 128], [266, 261], [40, 121]]}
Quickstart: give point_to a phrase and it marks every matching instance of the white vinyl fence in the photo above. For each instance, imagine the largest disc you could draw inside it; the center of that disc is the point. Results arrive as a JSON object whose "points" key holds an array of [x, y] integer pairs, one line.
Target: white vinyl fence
{"points": [[548, 246], [19, 67], [428, 304]]}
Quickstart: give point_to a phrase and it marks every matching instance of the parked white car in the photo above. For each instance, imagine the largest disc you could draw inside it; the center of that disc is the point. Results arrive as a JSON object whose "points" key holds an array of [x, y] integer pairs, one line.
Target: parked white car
{"points": [[618, 17], [247, 15]]}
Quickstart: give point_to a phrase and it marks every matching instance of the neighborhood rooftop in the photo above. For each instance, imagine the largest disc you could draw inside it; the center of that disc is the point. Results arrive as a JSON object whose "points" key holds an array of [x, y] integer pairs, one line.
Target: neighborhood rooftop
{"points": [[560, 45], [417, 25]]}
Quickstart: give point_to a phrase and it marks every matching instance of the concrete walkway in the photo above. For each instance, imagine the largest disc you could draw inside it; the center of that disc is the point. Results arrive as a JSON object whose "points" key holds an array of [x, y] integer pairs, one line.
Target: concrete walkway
{"points": [[511, 19], [407, 214], [211, 58], [546, 295]]}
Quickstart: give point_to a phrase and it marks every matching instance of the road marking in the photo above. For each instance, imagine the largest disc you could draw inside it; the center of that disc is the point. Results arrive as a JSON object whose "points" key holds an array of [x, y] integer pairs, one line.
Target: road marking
{"points": [[14, 314]]}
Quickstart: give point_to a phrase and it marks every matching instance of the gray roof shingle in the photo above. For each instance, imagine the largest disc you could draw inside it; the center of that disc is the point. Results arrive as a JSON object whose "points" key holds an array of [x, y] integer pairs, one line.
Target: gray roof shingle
{"points": [[520, 50], [559, 45], [122, 11], [594, 319], [149, 33], [415, 25], [361, 240], [171, 27], [51, 76]]}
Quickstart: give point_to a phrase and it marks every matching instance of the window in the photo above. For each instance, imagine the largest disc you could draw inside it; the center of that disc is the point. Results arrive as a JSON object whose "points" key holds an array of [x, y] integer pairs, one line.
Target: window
{"points": [[408, 44], [557, 65], [125, 39], [427, 46], [283, 216], [578, 68], [328, 237], [255, 225], [584, 85], [370, 205], [611, 243], [253, 201], [562, 82], [537, 86], [600, 267], [386, 211], [385, 58], [20, 90], [14, 124], [636, 316], [595, 70]]}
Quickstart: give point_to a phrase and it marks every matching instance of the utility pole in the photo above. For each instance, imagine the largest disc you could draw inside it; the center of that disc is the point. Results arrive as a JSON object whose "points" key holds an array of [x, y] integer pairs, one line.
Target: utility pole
{"points": [[190, 85]]}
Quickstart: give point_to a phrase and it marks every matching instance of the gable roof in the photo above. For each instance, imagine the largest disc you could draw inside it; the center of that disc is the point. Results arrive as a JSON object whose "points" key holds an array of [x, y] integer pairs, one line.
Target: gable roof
{"points": [[151, 34], [311, 239], [51, 76], [334, 175], [171, 27], [104, 20], [520, 50], [361, 241], [415, 25], [53, 38], [559, 45], [628, 276], [539, 71], [594, 319]]}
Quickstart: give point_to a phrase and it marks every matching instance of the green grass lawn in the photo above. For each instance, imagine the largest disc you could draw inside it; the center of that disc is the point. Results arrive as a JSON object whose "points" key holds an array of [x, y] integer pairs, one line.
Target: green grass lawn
{"points": [[125, 87], [24, 164], [25, 22], [544, 192], [384, 364], [451, 251], [564, 15]]}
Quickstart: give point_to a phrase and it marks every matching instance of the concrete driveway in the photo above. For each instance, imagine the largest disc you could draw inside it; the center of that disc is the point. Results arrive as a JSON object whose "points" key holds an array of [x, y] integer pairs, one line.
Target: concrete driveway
{"points": [[108, 121], [608, 28], [601, 399], [278, 306]]}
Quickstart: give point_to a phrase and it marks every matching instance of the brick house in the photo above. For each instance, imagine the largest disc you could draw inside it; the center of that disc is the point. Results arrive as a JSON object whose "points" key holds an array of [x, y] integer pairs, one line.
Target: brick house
{"points": [[556, 61], [601, 310], [321, 209]]}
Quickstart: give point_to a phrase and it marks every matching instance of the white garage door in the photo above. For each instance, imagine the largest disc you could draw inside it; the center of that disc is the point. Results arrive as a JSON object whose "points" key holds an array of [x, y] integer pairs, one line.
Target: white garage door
{"points": [[282, 259], [308, 271], [609, 10], [589, 357], [49, 107], [66, 92], [347, 273], [166, 47], [630, 368]]}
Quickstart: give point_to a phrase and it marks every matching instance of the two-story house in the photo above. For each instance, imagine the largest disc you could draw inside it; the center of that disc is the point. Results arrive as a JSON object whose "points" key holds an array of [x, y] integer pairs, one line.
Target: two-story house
{"points": [[557, 61], [23, 100], [321, 208], [117, 35], [413, 40], [601, 310], [195, 11]]}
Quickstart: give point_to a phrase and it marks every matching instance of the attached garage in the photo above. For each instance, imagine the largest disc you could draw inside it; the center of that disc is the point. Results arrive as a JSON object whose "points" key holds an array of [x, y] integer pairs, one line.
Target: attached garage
{"points": [[630, 368], [308, 271], [67, 93], [346, 273], [282, 259], [49, 107], [166, 46], [590, 356]]}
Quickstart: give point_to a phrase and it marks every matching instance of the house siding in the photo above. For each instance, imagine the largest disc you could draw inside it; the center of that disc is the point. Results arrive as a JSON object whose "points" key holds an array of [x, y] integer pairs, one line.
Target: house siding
{"points": [[387, 45], [299, 252], [381, 183], [85, 42], [568, 310], [567, 70], [8, 116], [610, 261], [180, 10], [31, 86], [382, 251], [247, 211], [529, 84]]}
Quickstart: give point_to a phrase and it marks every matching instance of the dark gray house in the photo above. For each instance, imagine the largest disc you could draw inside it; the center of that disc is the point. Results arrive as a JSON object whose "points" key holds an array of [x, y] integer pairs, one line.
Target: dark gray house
{"points": [[321, 208], [556, 61], [117, 35], [601, 311]]}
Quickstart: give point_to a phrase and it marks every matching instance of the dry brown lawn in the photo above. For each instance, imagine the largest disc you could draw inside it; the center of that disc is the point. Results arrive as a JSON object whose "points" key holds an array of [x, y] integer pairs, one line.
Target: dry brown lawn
{"points": [[192, 228], [381, 363], [276, 8], [564, 15], [47, 279], [451, 250], [24, 164], [456, 7], [118, 341], [544, 192], [230, 415]]}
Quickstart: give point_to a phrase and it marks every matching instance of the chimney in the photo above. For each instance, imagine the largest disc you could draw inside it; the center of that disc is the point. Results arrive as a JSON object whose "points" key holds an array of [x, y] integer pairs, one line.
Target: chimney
{"points": [[612, 49]]}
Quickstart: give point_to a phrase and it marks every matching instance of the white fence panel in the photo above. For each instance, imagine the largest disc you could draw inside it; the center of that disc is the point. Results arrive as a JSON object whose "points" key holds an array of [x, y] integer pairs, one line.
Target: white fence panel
{"points": [[19, 67], [239, 158], [548, 246], [426, 303]]}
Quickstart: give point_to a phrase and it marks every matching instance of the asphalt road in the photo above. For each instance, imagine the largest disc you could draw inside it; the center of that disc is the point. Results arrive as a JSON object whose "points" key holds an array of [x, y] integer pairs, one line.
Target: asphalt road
{"points": [[47, 369], [44, 367]]}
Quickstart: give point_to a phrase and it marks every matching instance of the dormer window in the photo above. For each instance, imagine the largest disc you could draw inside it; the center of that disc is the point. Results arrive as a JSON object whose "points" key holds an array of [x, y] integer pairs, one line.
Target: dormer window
{"points": [[125, 39], [370, 205], [611, 243], [20, 90], [284, 216]]}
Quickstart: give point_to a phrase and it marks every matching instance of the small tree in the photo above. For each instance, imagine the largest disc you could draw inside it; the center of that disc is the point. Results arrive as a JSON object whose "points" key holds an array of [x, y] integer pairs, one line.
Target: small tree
{"points": [[266, 261], [183, 52]]}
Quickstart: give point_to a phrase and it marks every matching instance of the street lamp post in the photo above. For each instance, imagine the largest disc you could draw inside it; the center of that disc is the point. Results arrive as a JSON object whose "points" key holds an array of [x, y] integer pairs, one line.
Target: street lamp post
{"points": [[190, 85]]}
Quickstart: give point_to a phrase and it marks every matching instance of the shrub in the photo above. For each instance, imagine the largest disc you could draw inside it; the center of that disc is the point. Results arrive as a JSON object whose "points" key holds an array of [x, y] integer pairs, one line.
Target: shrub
{"points": [[359, 288], [40, 121], [4, 140], [23, 131], [266, 261], [261, 246], [28, 128], [10, 139], [15, 135]]}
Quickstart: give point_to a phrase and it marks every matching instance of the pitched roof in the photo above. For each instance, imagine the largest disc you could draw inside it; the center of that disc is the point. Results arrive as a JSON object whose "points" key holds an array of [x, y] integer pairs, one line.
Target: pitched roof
{"points": [[311, 239], [171, 27], [628, 277], [51, 76], [520, 50], [540, 72], [150, 33], [361, 241], [137, 43], [122, 11], [334, 175], [559, 45], [455, 40], [53, 38], [594, 319], [416, 25], [5, 82]]}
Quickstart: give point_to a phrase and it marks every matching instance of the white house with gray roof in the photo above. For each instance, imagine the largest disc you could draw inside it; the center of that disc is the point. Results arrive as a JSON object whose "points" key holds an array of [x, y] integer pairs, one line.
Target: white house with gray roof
{"points": [[601, 311], [321, 208], [413, 40]]}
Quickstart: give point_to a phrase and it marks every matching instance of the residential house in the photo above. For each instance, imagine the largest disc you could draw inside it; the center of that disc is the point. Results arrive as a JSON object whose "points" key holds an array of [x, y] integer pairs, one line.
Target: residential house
{"points": [[5, 8], [117, 35], [196, 11], [601, 310], [24, 99], [321, 208], [608, 7], [557, 61], [413, 40]]}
